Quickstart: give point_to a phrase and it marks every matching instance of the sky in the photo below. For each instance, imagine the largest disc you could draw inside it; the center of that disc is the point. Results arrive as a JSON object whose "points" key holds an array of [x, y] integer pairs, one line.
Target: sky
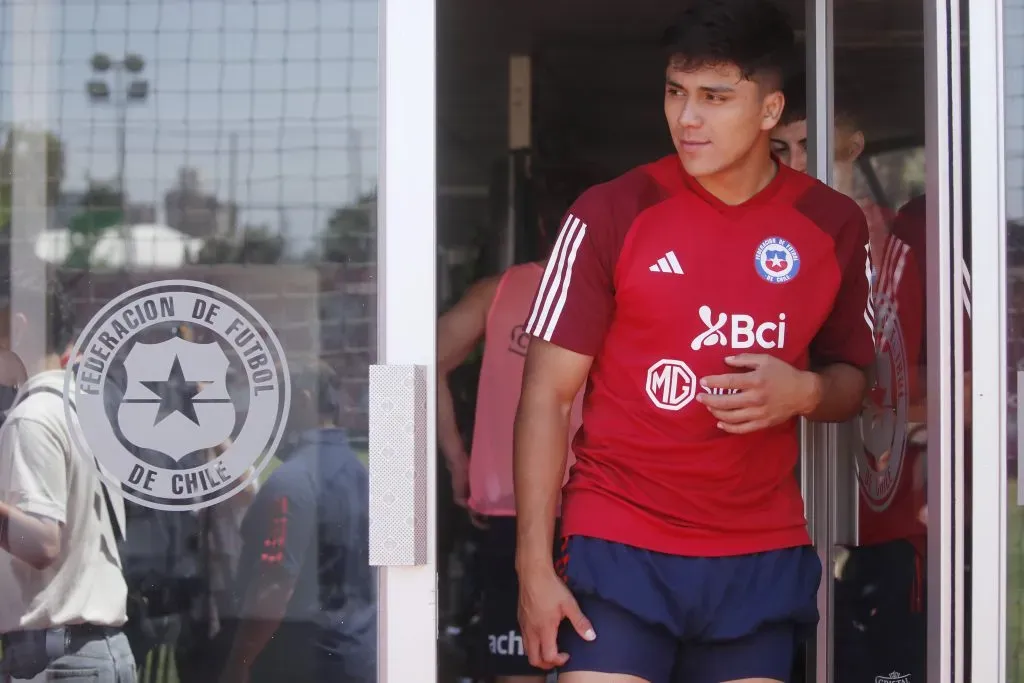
{"points": [[291, 85]]}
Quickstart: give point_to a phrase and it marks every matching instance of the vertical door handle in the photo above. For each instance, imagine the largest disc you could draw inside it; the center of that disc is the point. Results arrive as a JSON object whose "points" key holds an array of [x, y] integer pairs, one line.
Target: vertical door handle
{"points": [[398, 465]]}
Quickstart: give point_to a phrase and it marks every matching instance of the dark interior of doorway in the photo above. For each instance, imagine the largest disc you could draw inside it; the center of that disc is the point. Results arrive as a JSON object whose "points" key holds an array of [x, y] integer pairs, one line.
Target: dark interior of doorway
{"points": [[596, 111]]}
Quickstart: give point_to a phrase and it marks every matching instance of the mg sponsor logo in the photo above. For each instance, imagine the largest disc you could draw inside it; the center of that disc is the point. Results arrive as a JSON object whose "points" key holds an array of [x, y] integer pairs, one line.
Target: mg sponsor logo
{"points": [[739, 331], [671, 384]]}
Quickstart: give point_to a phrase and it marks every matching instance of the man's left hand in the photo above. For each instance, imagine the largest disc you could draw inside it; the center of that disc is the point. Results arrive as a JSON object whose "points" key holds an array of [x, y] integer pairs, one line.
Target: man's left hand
{"points": [[770, 392]]}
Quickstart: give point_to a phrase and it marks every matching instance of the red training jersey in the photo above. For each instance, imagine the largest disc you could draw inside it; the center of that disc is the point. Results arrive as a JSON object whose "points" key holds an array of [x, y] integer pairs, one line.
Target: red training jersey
{"points": [[889, 432], [659, 282]]}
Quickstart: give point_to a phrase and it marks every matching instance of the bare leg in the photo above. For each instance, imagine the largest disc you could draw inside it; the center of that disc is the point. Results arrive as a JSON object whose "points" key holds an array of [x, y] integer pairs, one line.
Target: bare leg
{"points": [[519, 679], [594, 677]]}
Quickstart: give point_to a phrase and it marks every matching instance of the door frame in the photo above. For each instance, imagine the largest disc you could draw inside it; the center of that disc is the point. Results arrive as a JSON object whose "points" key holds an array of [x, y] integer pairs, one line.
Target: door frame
{"points": [[818, 441], [989, 496], [407, 314], [944, 305]]}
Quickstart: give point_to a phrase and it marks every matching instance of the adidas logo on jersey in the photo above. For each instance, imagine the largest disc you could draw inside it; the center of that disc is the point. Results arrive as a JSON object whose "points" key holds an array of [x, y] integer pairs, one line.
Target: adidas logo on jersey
{"points": [[667, 264]]}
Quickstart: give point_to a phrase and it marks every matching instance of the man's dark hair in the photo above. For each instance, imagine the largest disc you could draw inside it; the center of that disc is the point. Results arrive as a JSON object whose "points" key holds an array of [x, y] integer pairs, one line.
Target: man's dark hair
{"points": [[60, 314], [60, 317], [320, 380], [795, 91], [754, 35]]}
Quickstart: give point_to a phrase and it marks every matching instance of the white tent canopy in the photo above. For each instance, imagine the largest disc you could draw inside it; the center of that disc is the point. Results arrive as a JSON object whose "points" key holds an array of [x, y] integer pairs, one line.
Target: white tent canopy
{"points": [[152, 245]]}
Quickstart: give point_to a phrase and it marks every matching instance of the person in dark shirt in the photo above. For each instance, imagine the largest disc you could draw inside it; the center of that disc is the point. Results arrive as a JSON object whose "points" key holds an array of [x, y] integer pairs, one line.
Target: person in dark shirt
{"points": [[305, 588]]}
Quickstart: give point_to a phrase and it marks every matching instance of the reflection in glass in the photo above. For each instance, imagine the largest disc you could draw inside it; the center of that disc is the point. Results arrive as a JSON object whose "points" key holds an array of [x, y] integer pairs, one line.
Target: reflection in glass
{"points": [[880, 621], [1013, 61], [233, 145]]}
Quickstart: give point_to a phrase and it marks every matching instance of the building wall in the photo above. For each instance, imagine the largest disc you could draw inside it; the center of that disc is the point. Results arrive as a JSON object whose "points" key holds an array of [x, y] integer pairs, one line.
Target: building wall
{"points": [[1013, 26]]}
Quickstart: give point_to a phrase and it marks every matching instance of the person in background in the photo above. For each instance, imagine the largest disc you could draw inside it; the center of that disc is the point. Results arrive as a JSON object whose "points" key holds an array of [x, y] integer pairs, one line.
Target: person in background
{"points": [[880, 617], [494, 310], [62, 591], [12, 370], [789, 144], [305, 589]]}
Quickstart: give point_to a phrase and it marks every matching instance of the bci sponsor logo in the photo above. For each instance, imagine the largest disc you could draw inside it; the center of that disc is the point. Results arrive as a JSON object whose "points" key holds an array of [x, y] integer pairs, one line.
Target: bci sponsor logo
{"points": [[739, 331]]}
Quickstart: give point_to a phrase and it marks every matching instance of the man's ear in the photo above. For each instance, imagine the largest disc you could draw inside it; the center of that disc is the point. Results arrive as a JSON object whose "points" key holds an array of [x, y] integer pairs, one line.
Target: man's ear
{"points": [[308, 402], [771, 112], [853, 148], [19, 323]]}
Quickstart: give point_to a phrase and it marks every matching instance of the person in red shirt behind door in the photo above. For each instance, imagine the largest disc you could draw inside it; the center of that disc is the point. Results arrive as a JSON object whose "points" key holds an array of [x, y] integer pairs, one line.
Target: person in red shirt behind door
{"points": [[493, 310], [880, 624], [707, 300]]}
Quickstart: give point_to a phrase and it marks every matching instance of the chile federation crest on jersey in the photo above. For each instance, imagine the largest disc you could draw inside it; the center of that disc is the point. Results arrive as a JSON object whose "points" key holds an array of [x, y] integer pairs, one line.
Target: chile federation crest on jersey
{"points": [[776, 260]]}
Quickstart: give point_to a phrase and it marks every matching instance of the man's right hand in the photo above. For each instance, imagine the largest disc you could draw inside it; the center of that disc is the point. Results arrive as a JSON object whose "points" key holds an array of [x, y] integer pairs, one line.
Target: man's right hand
{"points": [[544, 601]]}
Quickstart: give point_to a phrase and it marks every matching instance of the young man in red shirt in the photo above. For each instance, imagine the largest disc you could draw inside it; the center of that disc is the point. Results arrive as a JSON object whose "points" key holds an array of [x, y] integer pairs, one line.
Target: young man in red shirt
{"points": [[707, 300]]}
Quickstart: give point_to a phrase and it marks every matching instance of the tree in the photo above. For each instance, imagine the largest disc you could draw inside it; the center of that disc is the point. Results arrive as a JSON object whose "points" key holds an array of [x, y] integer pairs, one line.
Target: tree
{"points": [[351, 232], [22, 150], [257, 245], [101, 209]]}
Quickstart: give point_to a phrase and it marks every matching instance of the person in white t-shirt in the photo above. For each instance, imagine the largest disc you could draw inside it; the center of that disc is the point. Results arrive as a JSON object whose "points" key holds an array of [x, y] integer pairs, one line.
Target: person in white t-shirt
{"points": [[62, 591]]}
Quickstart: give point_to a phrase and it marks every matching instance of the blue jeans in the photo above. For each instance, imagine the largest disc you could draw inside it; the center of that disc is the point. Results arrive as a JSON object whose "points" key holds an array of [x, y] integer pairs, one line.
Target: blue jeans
{"points": [[101, 660]]}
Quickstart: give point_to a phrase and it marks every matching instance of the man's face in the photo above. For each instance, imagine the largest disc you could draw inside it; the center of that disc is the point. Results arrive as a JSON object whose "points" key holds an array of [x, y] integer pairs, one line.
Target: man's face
{"points": [[716, 116], [789, 142]]}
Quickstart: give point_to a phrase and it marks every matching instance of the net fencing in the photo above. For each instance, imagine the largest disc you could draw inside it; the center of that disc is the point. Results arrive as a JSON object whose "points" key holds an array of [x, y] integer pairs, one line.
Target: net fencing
{"points": [[228, 141]]}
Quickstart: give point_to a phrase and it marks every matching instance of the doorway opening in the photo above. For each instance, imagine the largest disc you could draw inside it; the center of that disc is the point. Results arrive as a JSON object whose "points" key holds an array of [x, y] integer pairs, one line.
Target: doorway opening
{"points": [[538, 101]]}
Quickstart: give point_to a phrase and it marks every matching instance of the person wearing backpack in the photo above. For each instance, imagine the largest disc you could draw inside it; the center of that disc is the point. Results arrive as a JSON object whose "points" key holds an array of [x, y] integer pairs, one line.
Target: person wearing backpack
{"points": [[62, 589]]}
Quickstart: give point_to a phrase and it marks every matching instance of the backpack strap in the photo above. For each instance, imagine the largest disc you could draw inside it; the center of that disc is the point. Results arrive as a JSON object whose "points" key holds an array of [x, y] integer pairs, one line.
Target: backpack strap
{"points": [[115, 522]]}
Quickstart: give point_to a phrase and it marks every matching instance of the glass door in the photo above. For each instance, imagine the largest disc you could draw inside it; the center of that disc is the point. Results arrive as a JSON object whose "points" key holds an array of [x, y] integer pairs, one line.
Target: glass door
{"points": [[403, 458], [884, 507], [214, 218]]}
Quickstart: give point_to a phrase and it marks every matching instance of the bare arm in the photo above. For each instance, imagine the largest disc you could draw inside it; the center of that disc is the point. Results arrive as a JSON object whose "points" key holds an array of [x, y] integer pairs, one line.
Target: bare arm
{"points": [[265, 606], [836, 394], [36, 541], [33, 493], [458, 332], [551, 380]]}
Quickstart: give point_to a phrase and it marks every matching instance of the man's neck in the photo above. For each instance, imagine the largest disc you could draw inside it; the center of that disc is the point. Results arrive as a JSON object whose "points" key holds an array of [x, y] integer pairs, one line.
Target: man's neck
{"points": [[51, 361], [843, 180], [744, 179]]}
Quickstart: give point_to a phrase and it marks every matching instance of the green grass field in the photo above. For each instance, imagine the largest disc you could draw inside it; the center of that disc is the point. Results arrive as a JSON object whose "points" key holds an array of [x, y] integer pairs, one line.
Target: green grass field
{"points": [[1014, 587]]}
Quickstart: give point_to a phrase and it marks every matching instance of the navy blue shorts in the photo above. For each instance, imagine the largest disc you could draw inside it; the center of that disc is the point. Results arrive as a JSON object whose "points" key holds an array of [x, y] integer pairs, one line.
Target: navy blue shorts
{"points": [[672, 619]]}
